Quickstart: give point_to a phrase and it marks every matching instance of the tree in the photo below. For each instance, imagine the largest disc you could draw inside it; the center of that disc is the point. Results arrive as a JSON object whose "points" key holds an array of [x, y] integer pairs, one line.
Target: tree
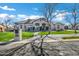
{"points": [[47, 12], [7, 23], [73, 20]]}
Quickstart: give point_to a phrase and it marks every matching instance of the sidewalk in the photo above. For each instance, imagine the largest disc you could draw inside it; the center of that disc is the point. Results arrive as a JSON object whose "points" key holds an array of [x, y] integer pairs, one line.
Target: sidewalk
{"points": [[18, 43]]}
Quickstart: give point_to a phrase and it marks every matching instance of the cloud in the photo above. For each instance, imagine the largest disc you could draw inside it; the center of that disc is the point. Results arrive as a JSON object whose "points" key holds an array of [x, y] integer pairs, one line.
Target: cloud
{"points": [[21, 16], [7, 8], [60, 16], [36, 9], [3, 15], [34, 16], [12, 16]]}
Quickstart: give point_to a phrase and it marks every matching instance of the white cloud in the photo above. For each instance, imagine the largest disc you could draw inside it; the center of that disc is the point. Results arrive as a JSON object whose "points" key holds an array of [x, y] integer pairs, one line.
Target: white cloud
{"points": [[7, 8], [3, 15], [35, 9], [12, 16], [34, 17], [21, 16], [60, 16], [18, 17]]}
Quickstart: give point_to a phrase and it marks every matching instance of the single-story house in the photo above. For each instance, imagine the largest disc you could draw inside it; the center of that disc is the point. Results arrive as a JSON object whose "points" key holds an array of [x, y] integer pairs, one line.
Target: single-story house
{"points": [[38, 25], [70, 27]]}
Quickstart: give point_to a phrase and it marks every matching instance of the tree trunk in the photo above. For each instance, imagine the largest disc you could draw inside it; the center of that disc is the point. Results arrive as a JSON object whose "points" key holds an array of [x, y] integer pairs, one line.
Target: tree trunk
{"points": [[49, 28], [75, 30], [41, 48]]}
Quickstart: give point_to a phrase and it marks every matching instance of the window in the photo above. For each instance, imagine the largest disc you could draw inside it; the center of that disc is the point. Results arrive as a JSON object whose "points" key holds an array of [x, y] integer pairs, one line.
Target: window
{"points": [[66, 27], [58, 26], [37, 24], [20, 26], [43, 24]]}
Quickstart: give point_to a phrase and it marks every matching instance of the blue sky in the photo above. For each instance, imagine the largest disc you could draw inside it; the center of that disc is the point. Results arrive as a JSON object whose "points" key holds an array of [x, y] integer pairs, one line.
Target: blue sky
{"points": [[22, 8], [20, 11]]}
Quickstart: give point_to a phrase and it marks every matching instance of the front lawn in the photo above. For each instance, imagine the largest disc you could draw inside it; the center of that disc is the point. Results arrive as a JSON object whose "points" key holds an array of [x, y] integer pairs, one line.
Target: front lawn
{"points": [[72, 37], [58, 32], [27, 35], [7, 36]]}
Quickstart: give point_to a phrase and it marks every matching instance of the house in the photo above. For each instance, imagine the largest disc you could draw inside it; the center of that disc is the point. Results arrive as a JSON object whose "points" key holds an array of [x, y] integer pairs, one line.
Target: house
{"points": [[2, 28], [38, 25], [70, 27], [77, 27]]}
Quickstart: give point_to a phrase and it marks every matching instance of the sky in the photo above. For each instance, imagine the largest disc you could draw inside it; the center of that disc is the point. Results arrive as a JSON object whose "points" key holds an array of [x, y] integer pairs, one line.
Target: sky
{"points": [[21, 11]]}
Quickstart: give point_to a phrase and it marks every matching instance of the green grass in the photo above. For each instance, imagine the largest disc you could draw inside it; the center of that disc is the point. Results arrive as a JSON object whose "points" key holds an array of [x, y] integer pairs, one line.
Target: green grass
{"points": [[27, 35], [74, 37], [6, 36], [58, 32]]}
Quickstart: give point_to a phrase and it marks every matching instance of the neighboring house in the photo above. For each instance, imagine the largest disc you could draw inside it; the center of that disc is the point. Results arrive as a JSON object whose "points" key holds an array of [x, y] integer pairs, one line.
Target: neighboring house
{"points": [[59, 26], [70, 27], [2, 28], [38, 25], [77, 27]]}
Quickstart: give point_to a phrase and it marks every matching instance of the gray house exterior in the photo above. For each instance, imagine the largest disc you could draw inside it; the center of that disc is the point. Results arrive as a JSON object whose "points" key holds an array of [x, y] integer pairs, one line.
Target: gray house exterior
{"points": [[38, 25]]}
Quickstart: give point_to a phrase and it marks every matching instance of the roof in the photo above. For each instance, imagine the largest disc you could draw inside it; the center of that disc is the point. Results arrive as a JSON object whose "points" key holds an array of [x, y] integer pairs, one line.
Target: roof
{"points": [[59, 23], [2, 26], [30, 21]]}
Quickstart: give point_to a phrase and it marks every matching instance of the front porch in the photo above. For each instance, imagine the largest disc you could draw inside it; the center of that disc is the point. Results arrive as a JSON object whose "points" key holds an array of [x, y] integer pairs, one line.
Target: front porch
{"points": [[37, 29]]}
